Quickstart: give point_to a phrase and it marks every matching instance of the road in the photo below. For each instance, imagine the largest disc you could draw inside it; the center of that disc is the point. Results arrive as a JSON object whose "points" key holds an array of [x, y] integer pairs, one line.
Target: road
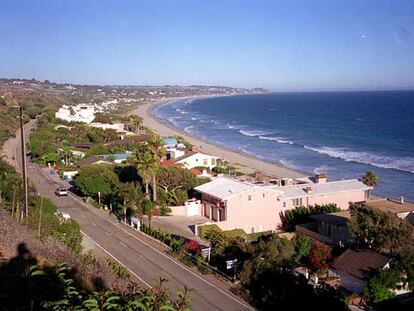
{"points": [[142, 256]]}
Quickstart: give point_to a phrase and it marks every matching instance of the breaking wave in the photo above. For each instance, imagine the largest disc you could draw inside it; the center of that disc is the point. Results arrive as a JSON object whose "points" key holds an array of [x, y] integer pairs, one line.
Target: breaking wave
{"points": [[405, 164], [280, 140]]}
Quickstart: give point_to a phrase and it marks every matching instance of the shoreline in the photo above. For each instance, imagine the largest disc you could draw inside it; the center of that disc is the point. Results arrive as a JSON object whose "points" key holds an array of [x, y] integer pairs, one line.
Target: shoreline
{"points": [[246, 163]]}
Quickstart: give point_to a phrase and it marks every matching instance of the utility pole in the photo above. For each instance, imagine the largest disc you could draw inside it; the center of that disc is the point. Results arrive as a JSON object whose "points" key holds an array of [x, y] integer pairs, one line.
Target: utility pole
{"points": [[23, 146], [40, 219]]}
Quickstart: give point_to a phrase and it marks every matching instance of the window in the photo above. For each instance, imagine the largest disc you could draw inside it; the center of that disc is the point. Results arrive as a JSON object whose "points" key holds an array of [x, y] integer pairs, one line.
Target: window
{"points": [[249, 198], [205, 162], [297, 202], [252, 230], [264, 194], [284, 204], [213, 161]]}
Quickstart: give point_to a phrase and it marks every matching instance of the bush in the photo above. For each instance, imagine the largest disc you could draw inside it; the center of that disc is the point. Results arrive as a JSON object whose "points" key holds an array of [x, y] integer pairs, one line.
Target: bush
{"points": [[235, 233], [165, 210]]}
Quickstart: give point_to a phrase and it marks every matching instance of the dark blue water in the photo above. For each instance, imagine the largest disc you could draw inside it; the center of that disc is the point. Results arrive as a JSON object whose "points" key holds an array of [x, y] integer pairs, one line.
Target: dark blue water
{"points": [[343, 134]]}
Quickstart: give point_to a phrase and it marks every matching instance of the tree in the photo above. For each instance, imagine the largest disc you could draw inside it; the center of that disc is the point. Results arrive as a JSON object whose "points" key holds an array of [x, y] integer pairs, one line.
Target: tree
{"points": [[380, 284], [157, 148], [146, 209], [303, 246], [272, 248], [173, 181], [374, 228], [270, 287], [97, 178], [130, 195], [300, 214], [147, 158], [102, 118], [370, 179], [67, 155], [319, 255], [52, 158]]}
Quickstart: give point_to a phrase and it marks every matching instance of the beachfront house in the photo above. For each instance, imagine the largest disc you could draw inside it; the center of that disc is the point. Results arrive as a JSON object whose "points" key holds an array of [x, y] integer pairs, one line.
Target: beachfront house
{"points": [[234, 204], [80, 113], [256, 206], [193, 159]]}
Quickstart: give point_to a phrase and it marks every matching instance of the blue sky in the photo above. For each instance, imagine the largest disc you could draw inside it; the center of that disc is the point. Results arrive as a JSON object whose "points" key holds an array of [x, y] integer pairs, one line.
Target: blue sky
{"points": [[280, 45]]}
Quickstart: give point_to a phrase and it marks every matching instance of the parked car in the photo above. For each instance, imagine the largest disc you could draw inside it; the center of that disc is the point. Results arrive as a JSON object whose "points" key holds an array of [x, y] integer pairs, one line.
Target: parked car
{"points": [[61, 191]]}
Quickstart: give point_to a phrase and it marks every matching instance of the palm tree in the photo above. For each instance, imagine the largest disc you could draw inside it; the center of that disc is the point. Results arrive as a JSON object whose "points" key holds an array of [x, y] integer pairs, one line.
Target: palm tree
{"points": [[157, 148], [371, 180], [147, 158], [67, 155]]}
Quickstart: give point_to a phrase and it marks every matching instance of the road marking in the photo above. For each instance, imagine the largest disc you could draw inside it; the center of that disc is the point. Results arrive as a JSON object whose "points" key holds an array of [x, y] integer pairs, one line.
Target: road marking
{"points": [[132, 272], [93, 224], [123, 244], [107, 233], [83, 216], [156, 250]]}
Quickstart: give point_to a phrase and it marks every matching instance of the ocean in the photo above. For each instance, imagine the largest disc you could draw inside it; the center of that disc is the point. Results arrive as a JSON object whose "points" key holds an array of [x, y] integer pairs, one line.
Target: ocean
{"points": [[342, 134]]}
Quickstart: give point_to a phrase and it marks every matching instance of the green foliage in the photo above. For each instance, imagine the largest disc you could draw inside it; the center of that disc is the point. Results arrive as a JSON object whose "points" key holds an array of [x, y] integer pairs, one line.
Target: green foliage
{"points": [[26, 285], [370, 179], [97, 178], [269, 287], [65, 231], [380, 284], [103, 118], [165, 210], [97, 149], [174, 182], [52, 158], [303, 246], [206, 228], [374, 228], [119, 270], [235, 233], [274, 249], [301, 214]]}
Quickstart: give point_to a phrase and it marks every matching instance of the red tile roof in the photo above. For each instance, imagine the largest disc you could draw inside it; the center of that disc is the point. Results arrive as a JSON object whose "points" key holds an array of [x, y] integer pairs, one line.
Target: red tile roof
{"points": [[171, 163]]}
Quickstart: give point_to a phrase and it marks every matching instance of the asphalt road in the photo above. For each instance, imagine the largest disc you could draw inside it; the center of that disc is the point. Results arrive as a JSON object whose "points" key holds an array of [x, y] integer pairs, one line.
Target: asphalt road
{"points": [[142, 256]]}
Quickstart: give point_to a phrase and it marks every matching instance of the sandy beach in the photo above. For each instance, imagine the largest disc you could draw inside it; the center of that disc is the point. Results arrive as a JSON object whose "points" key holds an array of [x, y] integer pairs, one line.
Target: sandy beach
{"points": [[243, 162]]}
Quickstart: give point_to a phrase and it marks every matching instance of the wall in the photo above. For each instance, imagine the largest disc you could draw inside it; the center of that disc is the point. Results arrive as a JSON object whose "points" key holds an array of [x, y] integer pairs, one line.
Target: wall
{"points": [[198, 160], [341, 199], [261, 213]]}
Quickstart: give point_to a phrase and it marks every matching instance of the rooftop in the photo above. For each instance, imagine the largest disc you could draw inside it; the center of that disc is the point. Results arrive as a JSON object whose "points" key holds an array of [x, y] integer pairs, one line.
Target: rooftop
{"points": [[223, 187], [324, 188], [338, 218], [391, 206], [361, 263], [91, 160]]}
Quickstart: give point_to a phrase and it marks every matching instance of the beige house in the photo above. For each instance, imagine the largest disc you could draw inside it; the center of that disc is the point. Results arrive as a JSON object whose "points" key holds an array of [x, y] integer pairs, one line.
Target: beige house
{"points": [[257, 206]]}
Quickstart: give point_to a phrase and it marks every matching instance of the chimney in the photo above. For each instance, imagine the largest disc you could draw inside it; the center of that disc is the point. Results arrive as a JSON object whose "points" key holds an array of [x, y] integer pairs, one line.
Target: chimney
{"points": [[402, 200], [320, 178]]}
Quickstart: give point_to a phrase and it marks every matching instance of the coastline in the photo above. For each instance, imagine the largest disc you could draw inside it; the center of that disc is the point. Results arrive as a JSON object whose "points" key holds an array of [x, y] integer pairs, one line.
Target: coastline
{"points": [[244, 162]]}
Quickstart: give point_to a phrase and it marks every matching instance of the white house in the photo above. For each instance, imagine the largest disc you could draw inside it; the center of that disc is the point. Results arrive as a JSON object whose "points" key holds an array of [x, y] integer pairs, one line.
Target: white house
{"points": [[193, 159], [81, 113], [119, 127]]}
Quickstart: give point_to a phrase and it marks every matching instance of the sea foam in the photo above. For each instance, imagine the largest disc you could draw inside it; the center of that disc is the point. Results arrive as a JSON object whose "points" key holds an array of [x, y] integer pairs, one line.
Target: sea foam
{"points": [[405, 164]]}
